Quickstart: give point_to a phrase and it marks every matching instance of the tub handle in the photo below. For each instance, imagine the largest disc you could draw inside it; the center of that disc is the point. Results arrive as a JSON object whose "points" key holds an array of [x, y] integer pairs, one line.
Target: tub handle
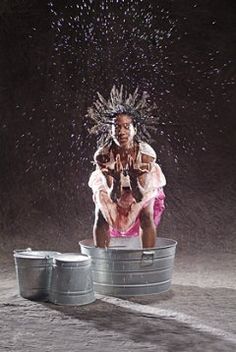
{"points": [[22, 250], [147, 258]]}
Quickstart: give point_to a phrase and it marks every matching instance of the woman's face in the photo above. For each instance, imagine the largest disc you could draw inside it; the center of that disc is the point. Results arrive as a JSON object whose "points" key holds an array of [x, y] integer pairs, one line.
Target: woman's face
{"points": [[123, 131]]}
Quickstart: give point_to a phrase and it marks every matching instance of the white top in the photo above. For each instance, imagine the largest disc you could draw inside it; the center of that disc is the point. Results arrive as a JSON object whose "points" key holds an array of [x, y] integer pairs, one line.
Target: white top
{"points": [[154, 179]]}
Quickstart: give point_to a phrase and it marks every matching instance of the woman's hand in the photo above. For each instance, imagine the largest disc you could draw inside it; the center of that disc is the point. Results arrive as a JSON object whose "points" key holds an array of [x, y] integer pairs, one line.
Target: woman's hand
{"points": [[116, 172], [113, 177], [134, 171]]}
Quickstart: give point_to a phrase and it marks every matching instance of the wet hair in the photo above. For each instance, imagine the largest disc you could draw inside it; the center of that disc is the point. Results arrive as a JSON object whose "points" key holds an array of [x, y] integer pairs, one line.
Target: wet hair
{"points": [[103, 113]]}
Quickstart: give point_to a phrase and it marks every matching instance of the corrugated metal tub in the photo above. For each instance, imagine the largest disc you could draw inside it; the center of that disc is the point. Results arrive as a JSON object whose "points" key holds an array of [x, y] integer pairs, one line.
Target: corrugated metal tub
{"points": [[33, 270], [131, 272], [71, 282]]}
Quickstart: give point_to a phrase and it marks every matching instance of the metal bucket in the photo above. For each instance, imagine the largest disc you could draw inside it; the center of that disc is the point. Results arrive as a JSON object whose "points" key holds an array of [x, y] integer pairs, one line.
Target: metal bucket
{"points": [[71, 281], [33, 271], [131, 272]]}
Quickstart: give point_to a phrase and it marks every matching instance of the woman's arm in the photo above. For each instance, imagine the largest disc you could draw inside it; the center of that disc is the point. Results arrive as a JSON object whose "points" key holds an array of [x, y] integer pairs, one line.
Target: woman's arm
{"points": [[116, 190], [101, 159], [137, 194], [113, 176], [137, 174], [147, 164]]}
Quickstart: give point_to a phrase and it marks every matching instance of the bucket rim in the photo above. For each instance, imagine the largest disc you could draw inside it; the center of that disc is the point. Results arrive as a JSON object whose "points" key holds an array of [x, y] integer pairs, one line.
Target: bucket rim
{"points": [[35, 254], [88, 243], [72, 257]]}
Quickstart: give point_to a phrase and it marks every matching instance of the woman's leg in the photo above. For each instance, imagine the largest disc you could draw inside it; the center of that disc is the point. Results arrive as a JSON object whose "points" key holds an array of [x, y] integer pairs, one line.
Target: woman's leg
{"points": [[101, 235], [148, 226]]}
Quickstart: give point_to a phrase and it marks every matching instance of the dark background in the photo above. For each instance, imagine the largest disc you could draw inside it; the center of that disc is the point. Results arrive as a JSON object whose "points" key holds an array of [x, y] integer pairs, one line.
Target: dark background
{"points": [[55, 56]]}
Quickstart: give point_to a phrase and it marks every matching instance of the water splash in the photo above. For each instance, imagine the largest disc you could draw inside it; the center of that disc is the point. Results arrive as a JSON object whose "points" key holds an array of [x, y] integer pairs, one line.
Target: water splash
{"points": [[98, 44]]}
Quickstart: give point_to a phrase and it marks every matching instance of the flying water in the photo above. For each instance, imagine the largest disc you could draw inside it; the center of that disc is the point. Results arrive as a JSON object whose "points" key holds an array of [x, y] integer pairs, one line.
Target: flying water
{"points": [[98, 44]]}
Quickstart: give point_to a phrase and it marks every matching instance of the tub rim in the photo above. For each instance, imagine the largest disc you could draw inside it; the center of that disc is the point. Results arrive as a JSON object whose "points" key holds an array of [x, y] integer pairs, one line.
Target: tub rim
{"points": [[86, 243]]}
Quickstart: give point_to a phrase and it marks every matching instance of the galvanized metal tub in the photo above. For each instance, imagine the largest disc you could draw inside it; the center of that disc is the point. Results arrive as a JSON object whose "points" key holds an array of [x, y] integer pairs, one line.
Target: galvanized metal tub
{"points": [[131, 272], [33, 271], [71, 282]]}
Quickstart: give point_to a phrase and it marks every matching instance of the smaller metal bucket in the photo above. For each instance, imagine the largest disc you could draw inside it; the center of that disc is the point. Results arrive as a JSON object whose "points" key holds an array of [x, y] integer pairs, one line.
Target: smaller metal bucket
{"points": [[33, 271], [71, 281]]}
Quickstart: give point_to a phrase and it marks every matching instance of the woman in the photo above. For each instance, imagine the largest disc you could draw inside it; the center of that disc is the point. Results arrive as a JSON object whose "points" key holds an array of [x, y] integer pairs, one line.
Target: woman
{"points": [[127, 186]]}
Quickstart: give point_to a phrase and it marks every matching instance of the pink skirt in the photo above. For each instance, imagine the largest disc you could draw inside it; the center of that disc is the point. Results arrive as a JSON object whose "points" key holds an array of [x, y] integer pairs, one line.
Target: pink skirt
{"points": [[158, 209]]}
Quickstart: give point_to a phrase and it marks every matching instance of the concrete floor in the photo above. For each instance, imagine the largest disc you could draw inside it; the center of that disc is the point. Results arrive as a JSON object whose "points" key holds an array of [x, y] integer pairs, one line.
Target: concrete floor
{"points": [[197, 314]]}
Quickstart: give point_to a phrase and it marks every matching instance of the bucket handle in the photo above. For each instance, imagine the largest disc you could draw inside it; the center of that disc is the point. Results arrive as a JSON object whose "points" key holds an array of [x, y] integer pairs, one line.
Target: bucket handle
{"points": [[47, 257], [22, 250], [147, 257]]}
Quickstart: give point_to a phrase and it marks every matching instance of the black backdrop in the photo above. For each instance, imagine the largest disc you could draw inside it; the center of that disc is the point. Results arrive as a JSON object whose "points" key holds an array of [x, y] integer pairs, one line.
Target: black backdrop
{"points": [[55, 56]]}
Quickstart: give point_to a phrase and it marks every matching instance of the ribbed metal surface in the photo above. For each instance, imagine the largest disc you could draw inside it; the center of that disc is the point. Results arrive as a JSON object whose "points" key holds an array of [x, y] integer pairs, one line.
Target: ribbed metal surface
{"points": [[127, 272], [71, 281], [33, 270]]}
